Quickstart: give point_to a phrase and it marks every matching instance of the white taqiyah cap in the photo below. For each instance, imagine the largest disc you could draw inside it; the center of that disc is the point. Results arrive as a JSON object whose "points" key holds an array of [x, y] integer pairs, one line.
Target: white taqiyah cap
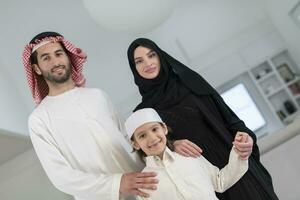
{"points": [[139, 118]]}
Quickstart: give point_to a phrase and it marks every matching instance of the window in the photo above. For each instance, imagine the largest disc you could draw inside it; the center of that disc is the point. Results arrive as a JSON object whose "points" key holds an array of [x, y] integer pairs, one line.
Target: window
{"points": [[239, 100]]}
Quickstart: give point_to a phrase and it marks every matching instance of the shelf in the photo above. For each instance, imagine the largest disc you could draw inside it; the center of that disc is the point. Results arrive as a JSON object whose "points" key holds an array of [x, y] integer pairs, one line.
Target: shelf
{"points": [[290, 118], [294, 87], [262, 70], [270, 84], [275, 91], [298, 100], [292, 81], [277, 80], [265, 77]]}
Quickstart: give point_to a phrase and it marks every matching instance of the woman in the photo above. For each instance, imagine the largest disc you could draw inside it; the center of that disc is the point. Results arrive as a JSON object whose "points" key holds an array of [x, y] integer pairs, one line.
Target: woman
{"points": [[197, 115]]}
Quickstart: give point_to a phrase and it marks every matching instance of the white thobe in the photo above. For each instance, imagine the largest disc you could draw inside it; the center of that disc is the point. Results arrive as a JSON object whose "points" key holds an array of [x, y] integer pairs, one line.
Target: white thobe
{"points": [[78, 140], [187, 178]]}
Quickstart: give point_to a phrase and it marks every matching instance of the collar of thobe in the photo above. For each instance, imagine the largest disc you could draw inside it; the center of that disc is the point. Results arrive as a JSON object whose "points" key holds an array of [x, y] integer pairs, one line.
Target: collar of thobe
{"points": [[155, 161]]}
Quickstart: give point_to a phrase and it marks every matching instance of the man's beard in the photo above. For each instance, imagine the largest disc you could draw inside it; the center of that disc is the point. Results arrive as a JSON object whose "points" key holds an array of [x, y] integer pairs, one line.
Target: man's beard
{"points": [[58, 79]]}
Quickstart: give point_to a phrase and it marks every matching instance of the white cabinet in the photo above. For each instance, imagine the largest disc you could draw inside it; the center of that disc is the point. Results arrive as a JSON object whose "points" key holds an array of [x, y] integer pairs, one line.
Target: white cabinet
{"points": [[277, 78]]}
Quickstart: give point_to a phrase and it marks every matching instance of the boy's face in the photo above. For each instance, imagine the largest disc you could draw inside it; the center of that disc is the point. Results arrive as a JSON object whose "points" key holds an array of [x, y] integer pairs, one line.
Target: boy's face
{"points": [[151, 138]]}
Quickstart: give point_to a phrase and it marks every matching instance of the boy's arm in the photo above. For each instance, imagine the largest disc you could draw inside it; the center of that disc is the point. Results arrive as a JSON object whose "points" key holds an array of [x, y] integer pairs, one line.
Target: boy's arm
{"points": [[229, 175]]}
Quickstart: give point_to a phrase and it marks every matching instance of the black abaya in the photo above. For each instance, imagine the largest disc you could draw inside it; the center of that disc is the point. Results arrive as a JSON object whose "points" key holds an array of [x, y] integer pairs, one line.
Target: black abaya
{"points": [[195, 111], [188, 121]]}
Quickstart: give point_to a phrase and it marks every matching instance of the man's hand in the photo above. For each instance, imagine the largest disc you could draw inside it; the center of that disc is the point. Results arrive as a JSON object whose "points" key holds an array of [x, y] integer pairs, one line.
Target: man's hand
{"points": [[243, 144], [187, 148], [131, 183]]}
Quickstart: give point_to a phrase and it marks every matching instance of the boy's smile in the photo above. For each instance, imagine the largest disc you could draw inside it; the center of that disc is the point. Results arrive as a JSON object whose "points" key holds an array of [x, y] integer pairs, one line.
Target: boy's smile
{"points": [[151, 138]]}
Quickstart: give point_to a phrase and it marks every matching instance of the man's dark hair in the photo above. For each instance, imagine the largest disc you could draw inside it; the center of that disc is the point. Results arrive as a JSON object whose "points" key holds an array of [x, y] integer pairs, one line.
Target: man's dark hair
{"points": [[40, 36], [33, 56], [43, 35]]}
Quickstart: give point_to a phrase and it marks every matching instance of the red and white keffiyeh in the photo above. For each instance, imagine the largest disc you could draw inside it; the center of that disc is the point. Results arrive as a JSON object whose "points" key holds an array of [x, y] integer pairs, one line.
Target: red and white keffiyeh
{"points": [[37, 84]]}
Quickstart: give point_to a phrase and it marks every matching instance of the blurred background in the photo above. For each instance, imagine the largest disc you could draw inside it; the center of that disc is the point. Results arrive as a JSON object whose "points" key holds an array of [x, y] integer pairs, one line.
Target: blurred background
{"points": [[249, 50]]}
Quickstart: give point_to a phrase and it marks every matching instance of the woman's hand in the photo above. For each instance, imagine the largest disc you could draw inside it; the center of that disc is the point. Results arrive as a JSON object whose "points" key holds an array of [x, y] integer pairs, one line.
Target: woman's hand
{"points": [[243, 144], [187, 148]]}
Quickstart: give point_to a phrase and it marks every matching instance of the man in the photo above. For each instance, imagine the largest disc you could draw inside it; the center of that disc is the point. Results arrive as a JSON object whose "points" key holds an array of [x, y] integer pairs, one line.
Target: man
{"points": [[74, 130]]}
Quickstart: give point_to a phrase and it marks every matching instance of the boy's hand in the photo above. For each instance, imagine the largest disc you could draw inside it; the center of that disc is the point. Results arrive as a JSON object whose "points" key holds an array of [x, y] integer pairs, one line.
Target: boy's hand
{"points": [[243, 144], [131, 183]]}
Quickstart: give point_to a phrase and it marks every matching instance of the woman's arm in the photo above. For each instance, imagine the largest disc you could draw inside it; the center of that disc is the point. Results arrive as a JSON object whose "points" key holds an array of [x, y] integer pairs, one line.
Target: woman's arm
{"points": [[234, 124]]}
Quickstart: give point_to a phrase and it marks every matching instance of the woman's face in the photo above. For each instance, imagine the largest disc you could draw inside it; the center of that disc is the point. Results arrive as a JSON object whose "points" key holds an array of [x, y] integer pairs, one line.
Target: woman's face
{"points": [[147, 62]]}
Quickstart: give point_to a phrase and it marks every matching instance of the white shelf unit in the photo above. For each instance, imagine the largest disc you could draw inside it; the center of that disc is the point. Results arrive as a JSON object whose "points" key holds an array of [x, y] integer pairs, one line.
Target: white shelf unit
{"points": [[277, 79]]}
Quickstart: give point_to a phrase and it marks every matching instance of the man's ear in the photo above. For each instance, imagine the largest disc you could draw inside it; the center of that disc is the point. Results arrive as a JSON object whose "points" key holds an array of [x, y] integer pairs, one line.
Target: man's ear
{"points": [[37, 69], [135, 145]]}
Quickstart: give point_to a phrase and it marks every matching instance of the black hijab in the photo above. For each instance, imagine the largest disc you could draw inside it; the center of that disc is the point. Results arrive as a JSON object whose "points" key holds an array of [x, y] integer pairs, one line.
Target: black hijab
{"points": [[174, 81]]}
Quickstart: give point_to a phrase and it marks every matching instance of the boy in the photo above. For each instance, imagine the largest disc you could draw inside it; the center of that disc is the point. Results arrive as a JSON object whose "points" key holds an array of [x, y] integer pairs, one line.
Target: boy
{"points": [[179, 177]]}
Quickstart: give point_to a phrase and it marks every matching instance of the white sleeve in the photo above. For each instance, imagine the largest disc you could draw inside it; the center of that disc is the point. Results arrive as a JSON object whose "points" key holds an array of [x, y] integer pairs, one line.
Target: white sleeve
{"points": [[121, 127], [229, 175], [65, 177], [142, 198], [115, 115]]}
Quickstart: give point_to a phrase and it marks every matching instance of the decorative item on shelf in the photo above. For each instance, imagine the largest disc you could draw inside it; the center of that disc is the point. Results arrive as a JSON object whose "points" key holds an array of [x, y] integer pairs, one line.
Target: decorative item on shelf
{"points": [[289, 106], [281, 115], [268, 70], [257, 76], [285, 72], [295, 88], [262, 73]]}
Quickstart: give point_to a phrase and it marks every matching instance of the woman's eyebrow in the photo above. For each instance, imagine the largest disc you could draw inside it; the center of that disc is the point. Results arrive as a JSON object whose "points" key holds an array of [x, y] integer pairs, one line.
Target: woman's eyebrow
{"points": [[137, 58], [151, 51]]}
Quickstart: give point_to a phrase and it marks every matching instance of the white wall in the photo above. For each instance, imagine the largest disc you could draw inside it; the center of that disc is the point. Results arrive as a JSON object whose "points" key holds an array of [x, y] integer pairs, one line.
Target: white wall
{"points": [[245, 36], [279, 10], [283, 164], [13, 111], [214, 38], [241, 54], [206, 35], [23, 178], [279, 154]]}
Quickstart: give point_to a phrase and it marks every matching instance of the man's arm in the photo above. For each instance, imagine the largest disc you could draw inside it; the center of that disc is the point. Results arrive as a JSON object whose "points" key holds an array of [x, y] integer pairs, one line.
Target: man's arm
{"points": [[65, 177], [114, 114], [119, 123], [132, 183]]}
